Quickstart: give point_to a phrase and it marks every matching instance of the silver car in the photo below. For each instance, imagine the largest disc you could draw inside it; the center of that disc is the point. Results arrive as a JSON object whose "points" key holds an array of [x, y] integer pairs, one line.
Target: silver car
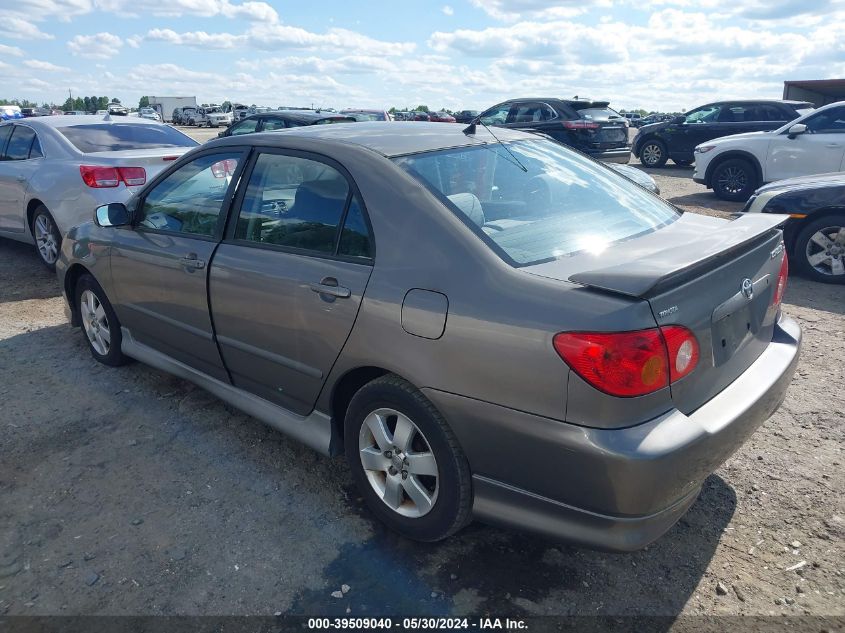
{"points": [[53, 170], [502, 330]]}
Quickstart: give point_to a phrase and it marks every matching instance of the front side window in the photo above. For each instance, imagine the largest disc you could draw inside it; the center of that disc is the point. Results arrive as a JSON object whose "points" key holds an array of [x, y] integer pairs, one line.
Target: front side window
{"points": [[542, 203], [300, 203], [496, 115], [705, 114], [20, 143], [191, 199], [247, 126], [830, 121]]}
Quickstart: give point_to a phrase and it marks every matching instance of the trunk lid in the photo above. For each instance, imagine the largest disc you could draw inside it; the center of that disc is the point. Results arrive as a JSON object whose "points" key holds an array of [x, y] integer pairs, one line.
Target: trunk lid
{"points": [[692, 273], [152, 160]]}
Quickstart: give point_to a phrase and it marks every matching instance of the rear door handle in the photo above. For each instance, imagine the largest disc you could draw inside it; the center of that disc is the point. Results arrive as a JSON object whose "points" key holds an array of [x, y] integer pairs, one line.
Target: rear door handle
{"points": [[329, 286], [833, 145], [191, 261]]}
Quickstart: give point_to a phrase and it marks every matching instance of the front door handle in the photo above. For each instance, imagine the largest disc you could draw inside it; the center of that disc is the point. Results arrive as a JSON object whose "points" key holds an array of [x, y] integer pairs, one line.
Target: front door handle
{"points": [[328, 286], [191, 262], [832, 145], [20, 178]]}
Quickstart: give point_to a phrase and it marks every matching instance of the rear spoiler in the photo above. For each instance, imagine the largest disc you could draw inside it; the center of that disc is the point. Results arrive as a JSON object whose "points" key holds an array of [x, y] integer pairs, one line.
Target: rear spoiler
{"points": [[651, 274]]}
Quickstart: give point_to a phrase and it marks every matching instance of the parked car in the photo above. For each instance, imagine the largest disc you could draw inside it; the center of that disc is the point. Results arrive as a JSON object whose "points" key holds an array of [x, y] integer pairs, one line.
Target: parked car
{"points": [[401, 116], [418, 115], [32, 112], [635, 119], [188, 116], [815, 232], [281, 120], [101, 112], [176, 117], [211, 116], [149, 113], [441, 117], [368, 115], [677, 138], [9, 112], [519, 336], [589, 126], [258, 110], [239, 111], [466, 116], [53, 169], [734, 166], [115, 109]]}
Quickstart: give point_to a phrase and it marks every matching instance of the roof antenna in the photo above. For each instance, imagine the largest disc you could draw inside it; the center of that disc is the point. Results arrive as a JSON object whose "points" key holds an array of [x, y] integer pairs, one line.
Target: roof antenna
{"points": [[470, 129]]}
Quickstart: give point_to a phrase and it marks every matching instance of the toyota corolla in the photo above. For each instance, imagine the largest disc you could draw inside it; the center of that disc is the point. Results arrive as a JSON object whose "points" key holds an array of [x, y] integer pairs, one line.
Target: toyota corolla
{"points": [[489, 327]]}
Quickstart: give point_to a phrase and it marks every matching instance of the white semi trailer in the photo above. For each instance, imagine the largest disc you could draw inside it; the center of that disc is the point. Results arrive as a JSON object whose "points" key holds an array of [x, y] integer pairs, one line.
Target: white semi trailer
{"points": [[165, 105]]}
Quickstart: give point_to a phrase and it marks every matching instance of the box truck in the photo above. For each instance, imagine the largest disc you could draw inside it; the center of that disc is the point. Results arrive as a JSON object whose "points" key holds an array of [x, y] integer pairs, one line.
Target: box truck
{"points": [[165, 105]]}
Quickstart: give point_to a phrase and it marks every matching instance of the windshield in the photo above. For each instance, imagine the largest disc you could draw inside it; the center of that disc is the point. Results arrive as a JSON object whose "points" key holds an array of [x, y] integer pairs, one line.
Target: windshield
{"points": [[115, 137], [560, 204]]}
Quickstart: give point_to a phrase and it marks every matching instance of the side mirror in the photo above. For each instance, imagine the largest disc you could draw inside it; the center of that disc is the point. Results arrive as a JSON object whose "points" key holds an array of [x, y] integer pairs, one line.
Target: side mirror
{"points": [[114, 214], [679, 119], [795, 130]]}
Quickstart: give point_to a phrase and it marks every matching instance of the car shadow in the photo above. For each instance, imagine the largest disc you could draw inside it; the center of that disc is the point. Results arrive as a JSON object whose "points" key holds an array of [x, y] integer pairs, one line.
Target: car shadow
{"points": [[706, 200], [39, 283], [806, 293]]}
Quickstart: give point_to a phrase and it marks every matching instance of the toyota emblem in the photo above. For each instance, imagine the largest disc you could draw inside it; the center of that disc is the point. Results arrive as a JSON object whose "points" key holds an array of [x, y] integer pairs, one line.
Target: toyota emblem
{"points": [[747, 288]]}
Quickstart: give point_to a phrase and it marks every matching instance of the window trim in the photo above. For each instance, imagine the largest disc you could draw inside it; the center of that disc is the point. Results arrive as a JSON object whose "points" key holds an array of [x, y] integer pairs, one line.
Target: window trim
{"points": [[237, 204], [225, 209]]}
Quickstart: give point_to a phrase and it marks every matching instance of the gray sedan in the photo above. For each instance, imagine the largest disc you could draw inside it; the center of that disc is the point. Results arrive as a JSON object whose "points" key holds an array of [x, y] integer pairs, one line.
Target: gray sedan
{"points": [[54, 170], [504, 330]]}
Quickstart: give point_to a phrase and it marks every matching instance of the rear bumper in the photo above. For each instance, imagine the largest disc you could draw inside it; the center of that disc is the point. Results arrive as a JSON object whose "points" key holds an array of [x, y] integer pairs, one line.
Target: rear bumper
{"points": [[621, 155], [614, 489]]}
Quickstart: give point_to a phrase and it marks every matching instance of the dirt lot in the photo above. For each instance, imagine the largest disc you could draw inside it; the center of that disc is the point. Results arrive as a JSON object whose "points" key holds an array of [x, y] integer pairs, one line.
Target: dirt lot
{"points": [[126, 491]]}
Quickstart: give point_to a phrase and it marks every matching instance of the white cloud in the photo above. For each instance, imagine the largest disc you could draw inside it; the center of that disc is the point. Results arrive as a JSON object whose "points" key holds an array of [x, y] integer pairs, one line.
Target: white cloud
{"points": [[20, 29], [447, 10], [513, 10], [198, 39], [99, 46], [10, 51], [36, 64]]}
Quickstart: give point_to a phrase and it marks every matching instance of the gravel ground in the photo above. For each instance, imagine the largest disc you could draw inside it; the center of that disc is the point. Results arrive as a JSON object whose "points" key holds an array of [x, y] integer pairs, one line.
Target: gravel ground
{"points": [[127, 491]]}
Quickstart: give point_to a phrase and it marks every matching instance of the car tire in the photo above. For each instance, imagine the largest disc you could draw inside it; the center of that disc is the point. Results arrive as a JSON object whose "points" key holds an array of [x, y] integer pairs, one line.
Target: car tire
{"points": [[815, 253], [682, 163], [98, 322], [734, 179], [411, 470], [48, 240], [653, 153]]}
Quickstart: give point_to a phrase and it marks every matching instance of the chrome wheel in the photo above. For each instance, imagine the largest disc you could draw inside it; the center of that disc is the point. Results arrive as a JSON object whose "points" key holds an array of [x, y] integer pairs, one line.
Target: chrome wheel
{"points": [[732, 180], [651, 154], [826, 251], [398, 462], [45, 238], [95, 322]]}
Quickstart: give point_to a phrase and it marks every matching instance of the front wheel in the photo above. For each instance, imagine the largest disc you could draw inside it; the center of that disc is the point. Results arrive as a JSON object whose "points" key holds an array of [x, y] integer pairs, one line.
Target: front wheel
{"points": [[99, 322], [734, 179], [48, 240], [819, 251], [406, 461]]}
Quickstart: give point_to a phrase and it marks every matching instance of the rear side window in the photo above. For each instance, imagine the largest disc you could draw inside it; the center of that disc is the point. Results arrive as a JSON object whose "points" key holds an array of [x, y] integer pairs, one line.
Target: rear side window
{"points": [[531, 113], [5, 132], [19, 144], [115, 137], [765, 112], [274, 124], [301, 203]]}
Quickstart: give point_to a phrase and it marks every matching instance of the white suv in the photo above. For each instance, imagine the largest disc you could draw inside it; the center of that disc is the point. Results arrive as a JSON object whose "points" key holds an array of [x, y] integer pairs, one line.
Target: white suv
{"points": [[734, 166]]}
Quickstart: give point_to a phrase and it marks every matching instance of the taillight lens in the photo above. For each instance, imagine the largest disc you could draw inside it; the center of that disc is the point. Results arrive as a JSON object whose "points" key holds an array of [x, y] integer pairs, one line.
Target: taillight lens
{"points": [[224, 168], [100, 177], [780, 288], [629, 364], [580, 125]]}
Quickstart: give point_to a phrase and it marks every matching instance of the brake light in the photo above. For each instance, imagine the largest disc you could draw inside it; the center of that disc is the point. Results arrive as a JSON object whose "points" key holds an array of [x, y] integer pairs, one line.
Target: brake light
{"points": [[101, 177], [780, 288], [581, 125], [629, 364], [224, 168]]}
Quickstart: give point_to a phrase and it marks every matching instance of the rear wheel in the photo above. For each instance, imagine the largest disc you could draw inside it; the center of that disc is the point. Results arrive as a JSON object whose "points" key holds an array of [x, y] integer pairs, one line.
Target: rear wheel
{"points": [[48, 240], [99, 322], [653, 153], [406, 461], [734, 179], [819, 251]]}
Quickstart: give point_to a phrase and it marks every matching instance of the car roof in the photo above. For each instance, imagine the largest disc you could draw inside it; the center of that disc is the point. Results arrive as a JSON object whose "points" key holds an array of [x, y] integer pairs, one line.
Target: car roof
{"points": [[68, 120], [388, 138]]}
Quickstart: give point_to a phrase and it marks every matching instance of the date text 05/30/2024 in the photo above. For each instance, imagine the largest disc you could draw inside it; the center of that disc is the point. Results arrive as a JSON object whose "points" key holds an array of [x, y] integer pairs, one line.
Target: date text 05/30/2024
{"points": [[410, 624]]}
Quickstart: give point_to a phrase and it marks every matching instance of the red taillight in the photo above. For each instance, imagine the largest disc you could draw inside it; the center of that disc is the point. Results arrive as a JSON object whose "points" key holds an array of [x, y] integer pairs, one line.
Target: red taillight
{"points": [[100, 177], [628, 364], [580, 125], [780, 288], [224, 168]]}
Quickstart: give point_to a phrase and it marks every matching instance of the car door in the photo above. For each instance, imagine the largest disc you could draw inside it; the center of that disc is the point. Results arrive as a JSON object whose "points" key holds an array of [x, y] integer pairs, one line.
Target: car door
{"points": [[286, 284], [702, 124], [19, 160], [160, 265], [819, 150]]}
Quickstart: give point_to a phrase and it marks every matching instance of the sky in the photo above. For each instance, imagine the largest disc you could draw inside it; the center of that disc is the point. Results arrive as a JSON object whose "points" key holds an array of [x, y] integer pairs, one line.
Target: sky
{"points": [[666, 55]]}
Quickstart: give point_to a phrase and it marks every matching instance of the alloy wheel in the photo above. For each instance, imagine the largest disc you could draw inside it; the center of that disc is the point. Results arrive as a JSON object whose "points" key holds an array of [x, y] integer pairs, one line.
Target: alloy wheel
{"points": [[95, 322], [651, 154], [398, 462], [826, 251], [45, 239], [732, 180]]}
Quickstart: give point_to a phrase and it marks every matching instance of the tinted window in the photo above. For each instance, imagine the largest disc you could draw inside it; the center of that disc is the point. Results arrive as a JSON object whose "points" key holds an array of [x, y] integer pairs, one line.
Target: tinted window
{"points": [[830, 121], [19, 144], [293, 201], [765, 112], [190, 199], [495, 115], [274, 124], [5, 132], [355, 239], [531, 113], [247, 126], [705, 114], [114, 137], [561, 202]]}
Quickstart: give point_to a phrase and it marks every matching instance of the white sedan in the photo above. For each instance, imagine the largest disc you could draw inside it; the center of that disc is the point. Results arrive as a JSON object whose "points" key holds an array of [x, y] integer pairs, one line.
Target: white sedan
{"points": [[734, 166], [54, 171]]}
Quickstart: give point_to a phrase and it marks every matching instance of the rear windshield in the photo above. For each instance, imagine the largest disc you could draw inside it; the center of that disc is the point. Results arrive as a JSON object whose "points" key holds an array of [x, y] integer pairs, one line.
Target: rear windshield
{"points": [[600, 114], [115, 137], [559, 204], [366, 116]]}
